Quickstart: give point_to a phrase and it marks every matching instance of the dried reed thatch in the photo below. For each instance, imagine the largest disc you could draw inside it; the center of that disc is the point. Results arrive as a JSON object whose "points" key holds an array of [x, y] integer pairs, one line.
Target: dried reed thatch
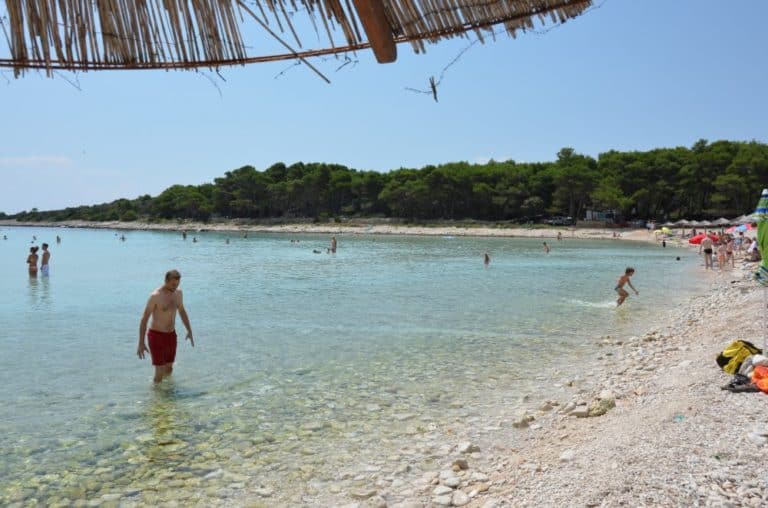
{"points": [[167, 34]]}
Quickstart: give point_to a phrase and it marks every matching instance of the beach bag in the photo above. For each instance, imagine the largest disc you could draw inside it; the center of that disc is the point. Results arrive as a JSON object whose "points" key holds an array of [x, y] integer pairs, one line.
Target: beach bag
{"points": [[760, 378], [732, 356]]}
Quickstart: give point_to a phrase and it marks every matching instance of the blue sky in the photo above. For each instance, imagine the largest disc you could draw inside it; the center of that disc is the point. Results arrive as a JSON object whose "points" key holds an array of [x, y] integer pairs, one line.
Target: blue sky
{"points": [[629, 75]]}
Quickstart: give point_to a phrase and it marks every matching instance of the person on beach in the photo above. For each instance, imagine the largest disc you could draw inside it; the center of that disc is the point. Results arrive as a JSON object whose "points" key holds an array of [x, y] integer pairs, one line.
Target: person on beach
{"points": [[559, 235], [32, 262], [729, 251], [721, 254], [333, 244], [706, 247], [486, 259], [46, 259], [162, 306], [624, 279], [546, 248]]}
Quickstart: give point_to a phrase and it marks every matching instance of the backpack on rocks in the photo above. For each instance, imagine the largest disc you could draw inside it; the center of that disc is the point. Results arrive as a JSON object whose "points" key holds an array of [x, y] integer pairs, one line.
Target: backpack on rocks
{"points": [[732, 356]]}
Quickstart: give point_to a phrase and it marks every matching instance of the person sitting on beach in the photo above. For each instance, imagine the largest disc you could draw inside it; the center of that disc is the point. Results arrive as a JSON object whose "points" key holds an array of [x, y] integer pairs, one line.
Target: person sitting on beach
{"points": [[32, 261], [162, 306], [46, 259], [624, 279]]}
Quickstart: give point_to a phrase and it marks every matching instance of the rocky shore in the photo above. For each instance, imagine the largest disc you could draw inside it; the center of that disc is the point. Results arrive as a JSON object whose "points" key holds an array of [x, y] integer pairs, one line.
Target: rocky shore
{"points": [[647, 425]]}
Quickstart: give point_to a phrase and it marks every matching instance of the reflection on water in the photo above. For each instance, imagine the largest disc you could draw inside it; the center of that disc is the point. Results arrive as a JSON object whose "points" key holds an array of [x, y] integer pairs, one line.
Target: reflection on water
{"points": [[39, 292]]}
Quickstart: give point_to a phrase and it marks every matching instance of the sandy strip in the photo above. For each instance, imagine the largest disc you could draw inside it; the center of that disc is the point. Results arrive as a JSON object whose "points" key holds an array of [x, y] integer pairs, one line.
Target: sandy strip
{"points": [[360, 227]]}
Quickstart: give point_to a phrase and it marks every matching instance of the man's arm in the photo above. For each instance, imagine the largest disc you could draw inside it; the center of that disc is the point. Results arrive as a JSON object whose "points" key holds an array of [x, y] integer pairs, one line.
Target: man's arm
{"points": [[633, 287], [184, 317], [143, 327]]}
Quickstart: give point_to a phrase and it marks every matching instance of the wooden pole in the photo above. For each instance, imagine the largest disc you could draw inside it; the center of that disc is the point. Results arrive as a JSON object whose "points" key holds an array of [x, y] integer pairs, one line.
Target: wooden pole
{"points": [[374, 20]]}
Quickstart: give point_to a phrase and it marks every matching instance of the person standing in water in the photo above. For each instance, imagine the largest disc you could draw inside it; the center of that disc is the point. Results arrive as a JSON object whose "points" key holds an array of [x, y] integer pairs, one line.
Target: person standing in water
{"points": [[32, 262], [624, 279], [162, 306], [486, 259], [546, 248], [333, 244], [46, 259]]}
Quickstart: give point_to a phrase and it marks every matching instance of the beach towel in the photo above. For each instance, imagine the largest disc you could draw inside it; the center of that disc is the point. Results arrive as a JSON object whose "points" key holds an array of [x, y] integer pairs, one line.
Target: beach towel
{"points": [[734, 355], [760, 378]]}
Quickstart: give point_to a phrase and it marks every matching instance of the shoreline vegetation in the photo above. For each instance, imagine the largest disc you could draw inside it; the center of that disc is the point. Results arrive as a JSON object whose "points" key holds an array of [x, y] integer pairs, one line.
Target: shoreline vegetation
{"points": [[708, 180], [360, 227]]}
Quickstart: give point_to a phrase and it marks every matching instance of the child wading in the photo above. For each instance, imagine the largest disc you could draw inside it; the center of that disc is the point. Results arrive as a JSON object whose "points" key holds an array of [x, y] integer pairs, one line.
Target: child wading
{"points": [[624, 279]]}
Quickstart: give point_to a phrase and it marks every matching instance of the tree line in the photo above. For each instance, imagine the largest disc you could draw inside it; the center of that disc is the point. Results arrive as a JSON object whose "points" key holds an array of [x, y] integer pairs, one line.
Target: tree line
{"points": [[708, 180]]}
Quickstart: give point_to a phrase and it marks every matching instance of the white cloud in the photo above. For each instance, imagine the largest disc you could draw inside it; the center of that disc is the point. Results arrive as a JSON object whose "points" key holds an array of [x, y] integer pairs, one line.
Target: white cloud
{"points": [[35, 161]]}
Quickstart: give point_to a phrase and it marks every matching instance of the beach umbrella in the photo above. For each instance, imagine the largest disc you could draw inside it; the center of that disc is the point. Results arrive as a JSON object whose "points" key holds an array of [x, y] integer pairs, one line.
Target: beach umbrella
{"points": [[706, 223], [665, 230], [698, 238], [746, 219], [683, 222], [162, 34], [741, 228], [761, 213], [762, 237], [722, 221]]}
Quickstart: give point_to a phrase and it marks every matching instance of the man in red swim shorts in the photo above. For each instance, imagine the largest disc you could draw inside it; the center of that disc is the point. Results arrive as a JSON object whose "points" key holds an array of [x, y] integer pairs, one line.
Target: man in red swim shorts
{"points": [[162, 306]]}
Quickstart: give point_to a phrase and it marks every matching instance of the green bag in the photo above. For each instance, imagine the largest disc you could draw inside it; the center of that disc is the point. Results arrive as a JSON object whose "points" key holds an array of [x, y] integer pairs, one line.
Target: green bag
{"points": [[734, 355]]}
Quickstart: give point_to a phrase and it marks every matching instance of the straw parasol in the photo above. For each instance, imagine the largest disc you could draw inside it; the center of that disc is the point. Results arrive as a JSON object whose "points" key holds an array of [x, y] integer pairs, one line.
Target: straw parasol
{"points": [[722, 221], [187, 34], [746, 219], [683, 223]]}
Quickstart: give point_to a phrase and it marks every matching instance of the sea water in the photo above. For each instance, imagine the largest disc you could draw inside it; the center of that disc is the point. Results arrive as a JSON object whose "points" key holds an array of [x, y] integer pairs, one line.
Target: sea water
{"points": [[308, 367]]}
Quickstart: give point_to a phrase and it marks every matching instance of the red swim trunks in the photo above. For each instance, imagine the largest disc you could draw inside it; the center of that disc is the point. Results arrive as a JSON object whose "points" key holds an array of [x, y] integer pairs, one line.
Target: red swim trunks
{"points": [[162, 346]]}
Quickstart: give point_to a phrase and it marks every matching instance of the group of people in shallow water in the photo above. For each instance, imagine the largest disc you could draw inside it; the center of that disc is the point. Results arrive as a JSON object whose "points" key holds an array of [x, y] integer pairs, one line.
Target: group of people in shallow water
{"points": [[33, 258]]}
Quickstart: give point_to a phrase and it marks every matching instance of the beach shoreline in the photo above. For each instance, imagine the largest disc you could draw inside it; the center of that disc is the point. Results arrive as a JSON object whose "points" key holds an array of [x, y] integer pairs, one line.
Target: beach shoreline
{"points": [[668, 436], [362, 227]]}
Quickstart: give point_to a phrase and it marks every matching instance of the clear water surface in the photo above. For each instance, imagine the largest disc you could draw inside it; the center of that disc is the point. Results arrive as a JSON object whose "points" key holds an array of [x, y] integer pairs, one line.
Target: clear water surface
{"points": [[301, 359]]}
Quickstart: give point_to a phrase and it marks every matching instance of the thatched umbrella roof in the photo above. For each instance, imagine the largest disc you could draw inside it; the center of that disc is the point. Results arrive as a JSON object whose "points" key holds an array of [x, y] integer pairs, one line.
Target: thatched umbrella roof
{"points": [[183, 34]]}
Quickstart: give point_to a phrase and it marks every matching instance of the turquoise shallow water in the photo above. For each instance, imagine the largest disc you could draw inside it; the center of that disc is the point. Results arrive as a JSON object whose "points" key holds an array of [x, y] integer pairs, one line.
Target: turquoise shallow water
{"points": [[301, 358]]}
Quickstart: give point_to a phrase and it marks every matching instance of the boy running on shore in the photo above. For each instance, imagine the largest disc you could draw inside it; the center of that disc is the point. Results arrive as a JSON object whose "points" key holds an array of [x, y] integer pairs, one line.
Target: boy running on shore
{"points": [[624, 279]]}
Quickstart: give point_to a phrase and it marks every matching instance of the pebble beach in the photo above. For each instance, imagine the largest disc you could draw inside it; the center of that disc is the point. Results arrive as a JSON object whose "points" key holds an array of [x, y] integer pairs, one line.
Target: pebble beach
{"points": [[650, 426]]}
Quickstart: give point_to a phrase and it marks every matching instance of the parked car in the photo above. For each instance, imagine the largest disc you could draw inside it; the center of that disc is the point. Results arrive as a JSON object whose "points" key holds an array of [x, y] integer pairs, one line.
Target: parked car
{"points": [[561, 221]]}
